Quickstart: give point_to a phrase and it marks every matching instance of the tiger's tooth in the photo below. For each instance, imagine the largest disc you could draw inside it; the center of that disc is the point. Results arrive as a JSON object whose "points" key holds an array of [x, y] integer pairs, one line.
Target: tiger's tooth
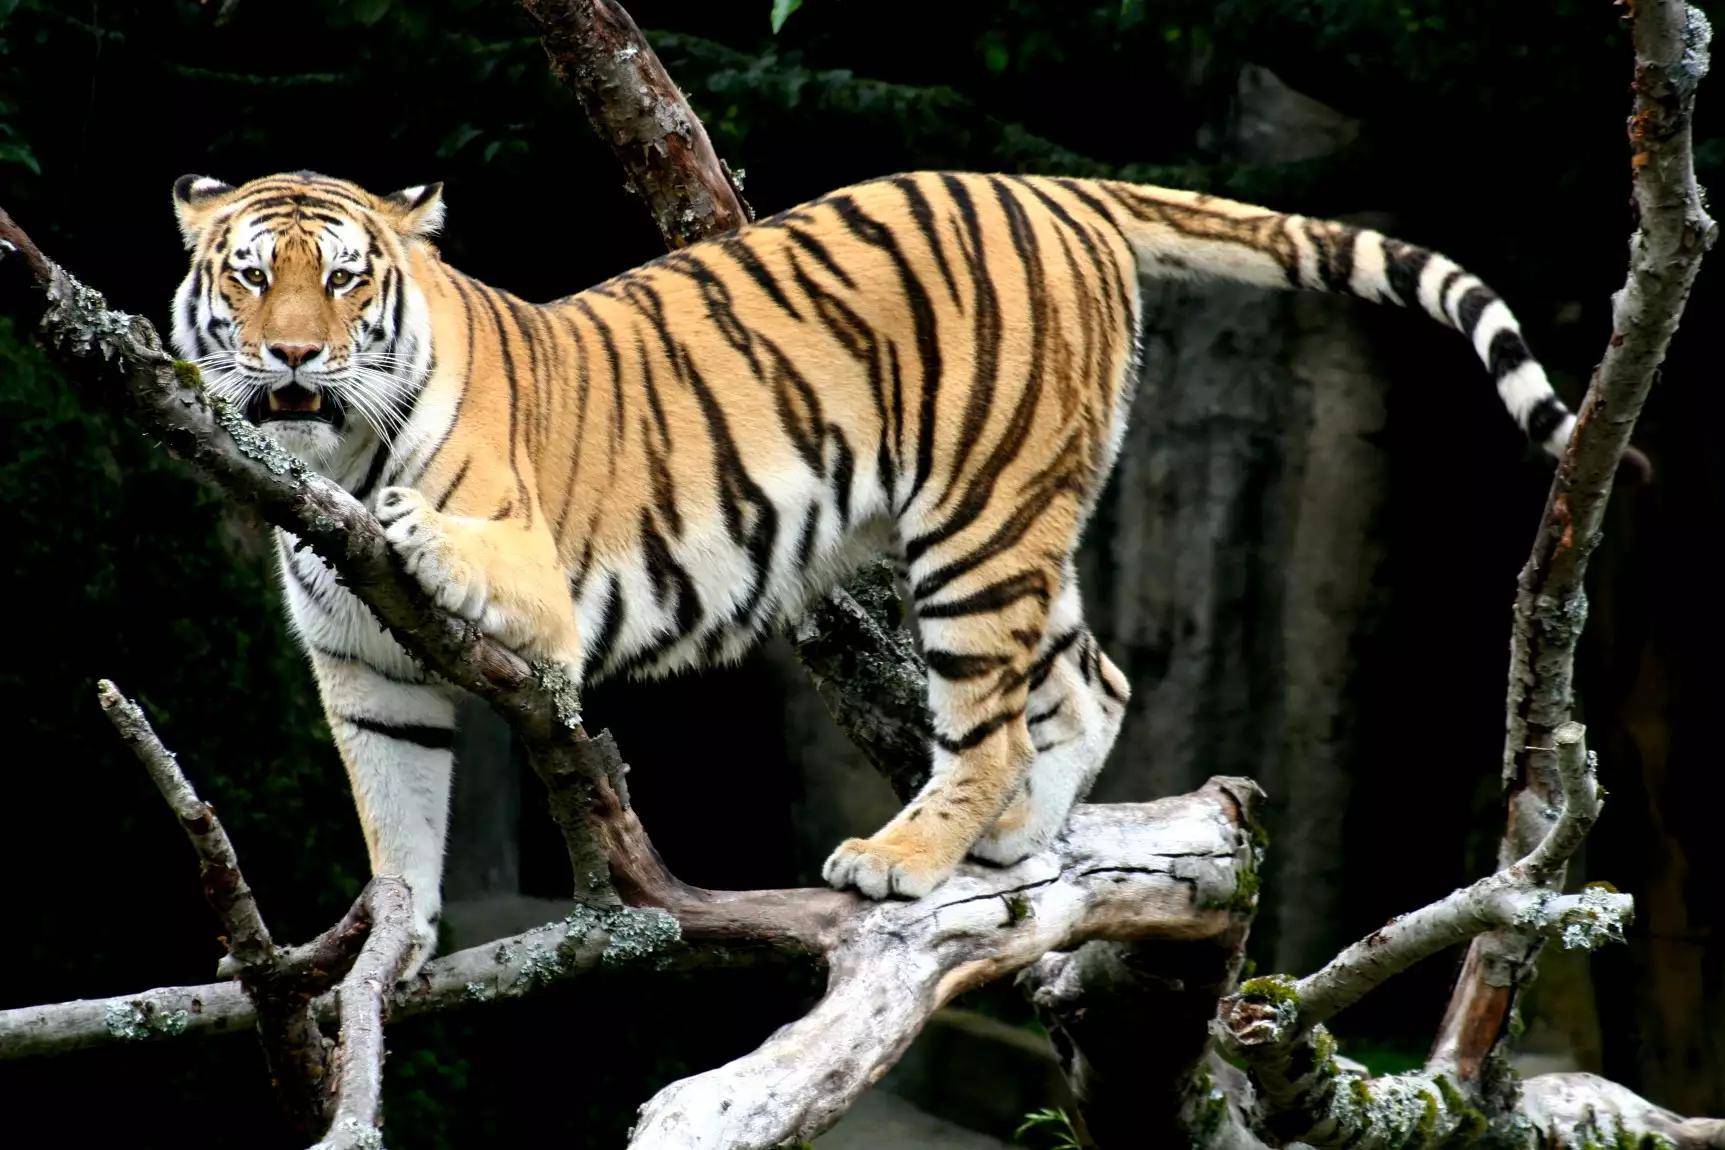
{"points": [[275, 402], [316, 401]]}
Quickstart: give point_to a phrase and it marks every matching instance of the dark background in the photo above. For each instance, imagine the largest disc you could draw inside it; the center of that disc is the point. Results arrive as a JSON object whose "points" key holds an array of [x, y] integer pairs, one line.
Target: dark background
{"points": [[1363, 685]]}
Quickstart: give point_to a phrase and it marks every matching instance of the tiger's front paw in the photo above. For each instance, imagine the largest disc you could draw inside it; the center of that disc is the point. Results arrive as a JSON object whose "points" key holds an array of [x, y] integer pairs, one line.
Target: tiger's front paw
{"points": [[887, 866], [412, 527]]}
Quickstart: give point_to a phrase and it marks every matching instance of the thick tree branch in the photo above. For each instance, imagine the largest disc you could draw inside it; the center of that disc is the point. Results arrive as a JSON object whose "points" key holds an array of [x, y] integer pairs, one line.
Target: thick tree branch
{"points": [[361, 1001], [598, 53], [1671, 57], [869, 674], [1168, 870]]}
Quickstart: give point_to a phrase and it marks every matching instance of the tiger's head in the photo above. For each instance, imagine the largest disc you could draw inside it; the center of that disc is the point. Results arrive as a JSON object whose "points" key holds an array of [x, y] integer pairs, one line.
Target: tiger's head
{"points": [[300, 306]]}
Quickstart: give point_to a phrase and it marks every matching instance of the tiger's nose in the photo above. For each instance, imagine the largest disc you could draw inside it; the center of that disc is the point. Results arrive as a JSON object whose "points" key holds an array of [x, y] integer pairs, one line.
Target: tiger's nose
{"points": [[295, 354]]}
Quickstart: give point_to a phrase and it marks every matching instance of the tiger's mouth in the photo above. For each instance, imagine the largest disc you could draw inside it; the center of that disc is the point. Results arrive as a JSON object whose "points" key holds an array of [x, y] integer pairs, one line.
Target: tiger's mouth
{"points": [[293, 404]]}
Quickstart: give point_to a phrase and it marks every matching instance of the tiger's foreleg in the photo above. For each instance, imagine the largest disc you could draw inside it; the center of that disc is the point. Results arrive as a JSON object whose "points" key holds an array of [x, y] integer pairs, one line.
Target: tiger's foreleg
{"points": [[396, 734], [499, 573]]}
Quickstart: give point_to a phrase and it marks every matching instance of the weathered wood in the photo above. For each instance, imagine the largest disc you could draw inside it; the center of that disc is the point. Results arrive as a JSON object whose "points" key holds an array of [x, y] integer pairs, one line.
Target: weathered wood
{"points": [[1166, 870], [1674, 232]]}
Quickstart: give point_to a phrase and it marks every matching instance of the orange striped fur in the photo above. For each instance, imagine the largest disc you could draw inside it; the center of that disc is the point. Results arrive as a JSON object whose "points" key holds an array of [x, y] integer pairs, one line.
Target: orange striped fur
{"points": [[650, 474]]}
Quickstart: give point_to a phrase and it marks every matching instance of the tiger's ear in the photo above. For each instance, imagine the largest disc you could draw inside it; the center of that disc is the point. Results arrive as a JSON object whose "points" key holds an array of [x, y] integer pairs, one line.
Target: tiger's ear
{"points": [[416, 212], [196, 201]]}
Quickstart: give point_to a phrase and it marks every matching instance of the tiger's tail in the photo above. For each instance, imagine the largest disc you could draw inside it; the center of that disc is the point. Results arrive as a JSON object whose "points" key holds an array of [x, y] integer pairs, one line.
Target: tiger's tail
{"points": [[1185, 235]]}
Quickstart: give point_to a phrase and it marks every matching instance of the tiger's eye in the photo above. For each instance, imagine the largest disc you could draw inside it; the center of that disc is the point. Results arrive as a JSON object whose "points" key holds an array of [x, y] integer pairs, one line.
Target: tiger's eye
{"points": [[254, 276], [340, 277]]}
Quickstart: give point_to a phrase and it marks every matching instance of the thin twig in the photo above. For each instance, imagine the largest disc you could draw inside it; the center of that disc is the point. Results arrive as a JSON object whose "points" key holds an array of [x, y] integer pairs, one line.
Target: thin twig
{"points": [[1674, 231], [1514, 896]]}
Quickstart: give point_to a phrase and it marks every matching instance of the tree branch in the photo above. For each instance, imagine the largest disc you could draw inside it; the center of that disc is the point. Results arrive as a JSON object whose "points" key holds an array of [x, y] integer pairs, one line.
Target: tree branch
{"points": [[1671, 57], [1275, 1024], [1168, 870], [361, 1002], [293, 1046], [599, 55]]}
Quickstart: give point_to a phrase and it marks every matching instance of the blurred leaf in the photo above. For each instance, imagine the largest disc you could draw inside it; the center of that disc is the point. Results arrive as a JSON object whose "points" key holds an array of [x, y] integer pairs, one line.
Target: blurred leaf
{"points": [[12, 153], [457, 140], [782, 10], [369, 12]]}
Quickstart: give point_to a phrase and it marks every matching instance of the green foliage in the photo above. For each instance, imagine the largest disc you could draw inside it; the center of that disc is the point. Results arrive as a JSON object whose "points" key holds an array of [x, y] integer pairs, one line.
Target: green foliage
{"points": [[1048, 1129]]}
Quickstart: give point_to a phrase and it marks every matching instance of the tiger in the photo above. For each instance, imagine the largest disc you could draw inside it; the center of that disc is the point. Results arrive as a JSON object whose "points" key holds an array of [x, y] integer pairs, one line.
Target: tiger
{"points": [[650, 475]]}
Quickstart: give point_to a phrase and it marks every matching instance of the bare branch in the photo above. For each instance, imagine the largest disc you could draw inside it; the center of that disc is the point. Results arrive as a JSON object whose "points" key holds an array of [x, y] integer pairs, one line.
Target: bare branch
{"points": [[869, 674], [246, 936], [599, 54], [1671, 57], [1513, 897], [287, 1027], [361, 1000], [1166, 870]]}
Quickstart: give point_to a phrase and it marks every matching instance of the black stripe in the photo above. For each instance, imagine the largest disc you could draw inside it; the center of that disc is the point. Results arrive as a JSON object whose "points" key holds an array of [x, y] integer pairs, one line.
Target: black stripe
{"points": [[509, 375], [923, 214], [431, 738], [985, 339], [751, 263], [1472, 304], [979, 489], [1335, 247], [737, 490], [669, 579], [1507, 352], [1102, 679], [378, 458], [448, 492], [806, 539], [819, 251], [955, 667], [582, 388], [844, 470], [1044, 716], [1443, 290], [348, 657], [994, 597], [1545, 418], [978, 733], [874, 233], [1403, 266], [610, 624], [1039, 670]]}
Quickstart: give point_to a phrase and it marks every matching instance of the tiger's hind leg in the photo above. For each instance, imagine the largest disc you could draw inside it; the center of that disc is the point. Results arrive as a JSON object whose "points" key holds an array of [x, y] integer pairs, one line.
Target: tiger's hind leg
{"points": [[980, 631], [1077, 702]]}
